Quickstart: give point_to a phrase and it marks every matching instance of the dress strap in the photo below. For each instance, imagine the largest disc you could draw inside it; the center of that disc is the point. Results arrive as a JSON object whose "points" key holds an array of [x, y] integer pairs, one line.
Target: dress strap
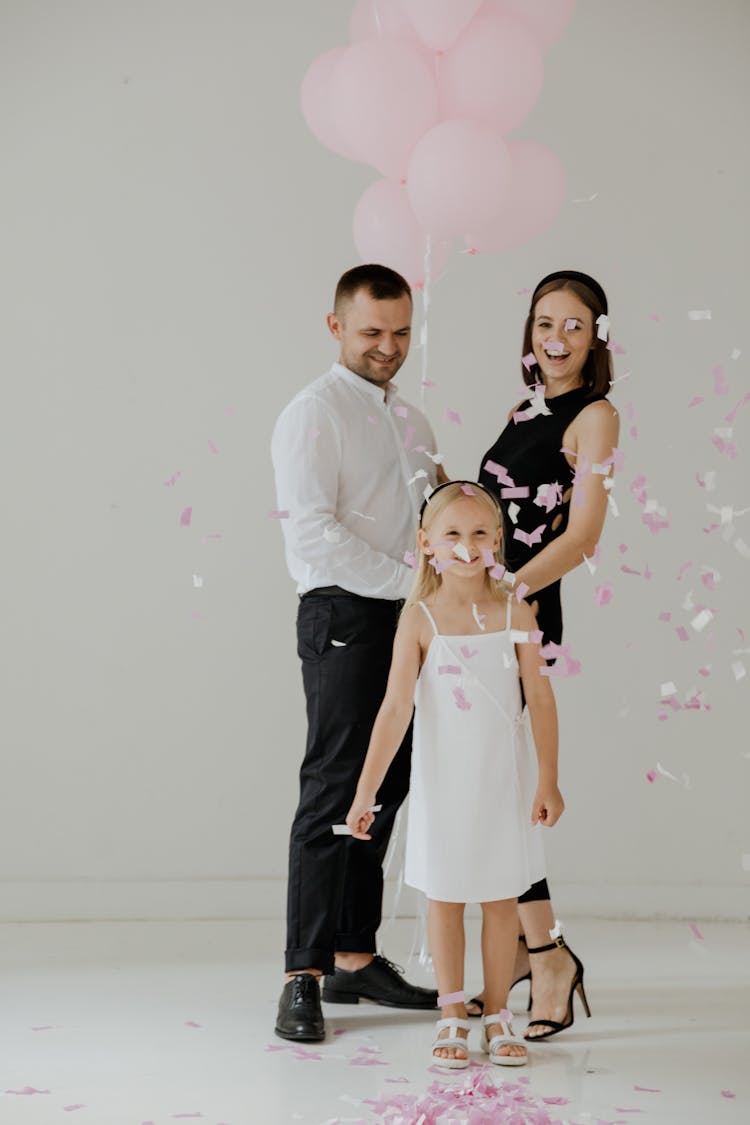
{"points": [[508, 607], [430, 618]]}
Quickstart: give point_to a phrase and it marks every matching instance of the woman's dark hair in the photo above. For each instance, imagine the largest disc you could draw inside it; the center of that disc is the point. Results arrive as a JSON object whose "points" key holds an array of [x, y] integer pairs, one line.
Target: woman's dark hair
{"points": [[598, 371], [382, 283]]}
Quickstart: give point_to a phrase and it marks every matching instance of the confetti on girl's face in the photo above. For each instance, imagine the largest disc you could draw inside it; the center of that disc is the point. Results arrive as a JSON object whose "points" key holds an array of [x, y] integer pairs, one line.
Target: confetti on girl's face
{"points": [[488, 557], [461, 552]]}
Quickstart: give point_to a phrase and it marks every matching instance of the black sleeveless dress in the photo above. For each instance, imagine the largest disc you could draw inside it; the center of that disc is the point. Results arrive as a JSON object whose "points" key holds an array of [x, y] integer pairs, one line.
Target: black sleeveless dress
{"points": [[530, 452]]}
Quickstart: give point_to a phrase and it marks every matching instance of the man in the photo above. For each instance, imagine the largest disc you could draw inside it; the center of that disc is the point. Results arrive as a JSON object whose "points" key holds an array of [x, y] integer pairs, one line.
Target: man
{"points": [[352, 461]]}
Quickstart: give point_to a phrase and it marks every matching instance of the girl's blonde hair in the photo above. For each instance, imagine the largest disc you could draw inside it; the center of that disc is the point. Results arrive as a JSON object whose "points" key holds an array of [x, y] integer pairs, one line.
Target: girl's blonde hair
{"points": [[427, 580]]}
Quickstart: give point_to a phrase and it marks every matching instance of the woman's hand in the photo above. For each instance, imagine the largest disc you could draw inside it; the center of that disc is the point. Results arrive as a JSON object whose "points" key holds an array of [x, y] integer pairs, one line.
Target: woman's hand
{"points": [[548, 805], [360, 818]]}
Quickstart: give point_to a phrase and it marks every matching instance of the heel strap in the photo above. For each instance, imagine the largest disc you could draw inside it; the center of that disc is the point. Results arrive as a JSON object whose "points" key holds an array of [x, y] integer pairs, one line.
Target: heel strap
{"points": [[558, 943]]}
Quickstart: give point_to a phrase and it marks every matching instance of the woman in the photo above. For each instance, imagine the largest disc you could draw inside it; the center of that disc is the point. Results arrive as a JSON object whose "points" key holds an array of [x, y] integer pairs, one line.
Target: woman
{"points": [[562, 432]]}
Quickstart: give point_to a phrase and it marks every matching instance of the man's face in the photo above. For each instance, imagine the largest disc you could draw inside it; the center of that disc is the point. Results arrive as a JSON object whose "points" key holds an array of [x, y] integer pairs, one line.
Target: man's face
{"points": [[373, 335]]}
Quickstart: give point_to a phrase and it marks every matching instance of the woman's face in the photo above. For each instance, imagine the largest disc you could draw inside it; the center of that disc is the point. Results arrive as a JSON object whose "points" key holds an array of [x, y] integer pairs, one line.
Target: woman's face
{"points": [[562, 336]]}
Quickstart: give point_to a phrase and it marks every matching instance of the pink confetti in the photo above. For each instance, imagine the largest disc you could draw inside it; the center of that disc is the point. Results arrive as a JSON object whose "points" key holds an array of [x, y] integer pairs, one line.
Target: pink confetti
{"points": [[646, 1090], [183, 1115], [71, 1108], [709, 580], [652, 776], [528, 537], [366, 1061], [44, 1027], [449, 669], [371, 420], [696, 932], [520, 292], [467, 490], [425, 383], [728, 1094], [27, 1090], [654, 316], [500, 472], [185, 517], [696, 401], [721, 387], [401, 411], [514, 493], [277, 515], [488, 557], [570, 324], [461, 701], [619, 1109], [410, 559], [629, 570], [497, 572], [408, 436], [603, 594], [395, 1080], [192, 1023], [733, 412], [467, 652], [528, 360], [439, 567], [278, 1047], [665, 616], [454, 417], [521, 591], [173, 480], [682, 633], [556, 1101], [340, 1031], [212, 447]]}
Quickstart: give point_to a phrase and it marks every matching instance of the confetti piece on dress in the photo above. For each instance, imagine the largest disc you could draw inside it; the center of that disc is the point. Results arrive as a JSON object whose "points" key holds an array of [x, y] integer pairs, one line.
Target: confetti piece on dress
{"points": [[520, 493], [449, 669], [461, 701], [702, 619], [454, 417], [603, 594], [467, 652], [530, 537], [602, 326], [462, 552], [500, 472], [185, 517], [699, 314], [173, 480], [528, 360], [410, 559], [478, 617], [276, 515]]}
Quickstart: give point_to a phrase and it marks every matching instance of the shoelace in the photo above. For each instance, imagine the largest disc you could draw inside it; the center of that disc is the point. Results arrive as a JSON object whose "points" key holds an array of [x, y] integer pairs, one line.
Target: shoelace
{"points": [[399, 969]]}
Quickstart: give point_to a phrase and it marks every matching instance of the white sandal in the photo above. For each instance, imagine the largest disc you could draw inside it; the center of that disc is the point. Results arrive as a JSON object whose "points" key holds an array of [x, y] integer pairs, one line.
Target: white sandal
{"points": [[453, 1023], [506, 1038]]}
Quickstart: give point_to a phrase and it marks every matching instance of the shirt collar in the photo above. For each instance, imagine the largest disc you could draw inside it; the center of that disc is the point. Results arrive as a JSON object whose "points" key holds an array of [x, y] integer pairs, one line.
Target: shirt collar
{"points": [[382, 394]]}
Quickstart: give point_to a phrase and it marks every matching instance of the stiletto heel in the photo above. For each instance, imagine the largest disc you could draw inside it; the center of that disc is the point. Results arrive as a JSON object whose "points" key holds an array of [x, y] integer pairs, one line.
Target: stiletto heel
{"points": [[576, 986]]}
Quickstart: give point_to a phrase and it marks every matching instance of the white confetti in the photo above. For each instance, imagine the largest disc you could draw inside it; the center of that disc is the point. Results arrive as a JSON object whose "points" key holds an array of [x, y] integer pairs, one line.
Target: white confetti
{"points": [[702, 619], [742, 548], [461, 552], [362, 514], [197, 581], [513, 510], [419, 475], [668, 689], [739, 670], [601, 470], [602, 326], [700, 314], [331, 535], [478, 617], [736, 353], [338, 644]]}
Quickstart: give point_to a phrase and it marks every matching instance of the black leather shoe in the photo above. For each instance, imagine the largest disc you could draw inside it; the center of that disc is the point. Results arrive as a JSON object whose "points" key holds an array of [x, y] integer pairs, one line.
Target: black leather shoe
{"points": [[300, 1016], [382, 983]]}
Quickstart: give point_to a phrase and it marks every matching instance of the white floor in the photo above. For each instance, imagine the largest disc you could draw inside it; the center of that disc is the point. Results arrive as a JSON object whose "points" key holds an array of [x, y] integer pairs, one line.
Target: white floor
{"points": [[150, 1023]]}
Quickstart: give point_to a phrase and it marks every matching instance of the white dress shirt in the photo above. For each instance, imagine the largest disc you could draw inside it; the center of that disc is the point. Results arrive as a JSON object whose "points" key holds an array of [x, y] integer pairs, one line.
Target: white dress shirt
{"points": [[344, 453]]}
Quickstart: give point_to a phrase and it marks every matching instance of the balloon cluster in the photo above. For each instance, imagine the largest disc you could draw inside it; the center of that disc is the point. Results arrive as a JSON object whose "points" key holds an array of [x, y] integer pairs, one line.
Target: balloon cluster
{"points": [[426, 93]]}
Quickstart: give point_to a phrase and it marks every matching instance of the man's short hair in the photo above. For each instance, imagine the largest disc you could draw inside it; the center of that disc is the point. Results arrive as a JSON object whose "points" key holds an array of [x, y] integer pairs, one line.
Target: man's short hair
{"points": [[382, 283]]}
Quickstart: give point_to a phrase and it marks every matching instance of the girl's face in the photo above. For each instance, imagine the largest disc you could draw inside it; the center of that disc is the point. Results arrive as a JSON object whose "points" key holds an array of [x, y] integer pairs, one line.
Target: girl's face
{"points": [[457, 537], [562, 336]]}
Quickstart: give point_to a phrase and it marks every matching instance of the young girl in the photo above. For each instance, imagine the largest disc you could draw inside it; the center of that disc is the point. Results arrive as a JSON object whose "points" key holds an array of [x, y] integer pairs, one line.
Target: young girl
{"points": [[474, 818]]}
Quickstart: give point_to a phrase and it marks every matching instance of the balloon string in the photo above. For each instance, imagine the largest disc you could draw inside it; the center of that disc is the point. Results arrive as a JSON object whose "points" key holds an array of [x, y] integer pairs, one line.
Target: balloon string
{"points": [[393, 847], [378, 23], [425, 311]]}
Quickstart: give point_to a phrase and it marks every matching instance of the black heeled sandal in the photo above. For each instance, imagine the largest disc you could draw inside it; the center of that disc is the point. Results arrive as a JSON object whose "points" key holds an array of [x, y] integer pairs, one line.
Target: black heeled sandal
{"points": [[480, 1003], [576, 986]]}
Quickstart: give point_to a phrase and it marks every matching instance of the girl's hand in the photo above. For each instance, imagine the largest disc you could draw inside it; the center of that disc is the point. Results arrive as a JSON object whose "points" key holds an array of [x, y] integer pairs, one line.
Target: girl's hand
{"points": [[359, 818], [548, 806]]}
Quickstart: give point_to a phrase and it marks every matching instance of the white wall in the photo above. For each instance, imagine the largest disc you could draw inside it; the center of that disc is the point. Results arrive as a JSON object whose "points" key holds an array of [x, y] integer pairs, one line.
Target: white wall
{"points": [[172, 236]]}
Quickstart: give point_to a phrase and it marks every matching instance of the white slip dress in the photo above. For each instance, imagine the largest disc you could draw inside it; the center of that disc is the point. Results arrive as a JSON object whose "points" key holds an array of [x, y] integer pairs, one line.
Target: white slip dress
{"points": [[473, 773]]}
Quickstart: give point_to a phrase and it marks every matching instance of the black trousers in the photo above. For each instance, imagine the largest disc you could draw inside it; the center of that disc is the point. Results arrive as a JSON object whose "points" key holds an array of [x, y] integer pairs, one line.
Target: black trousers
{"points": [[335, 889]]}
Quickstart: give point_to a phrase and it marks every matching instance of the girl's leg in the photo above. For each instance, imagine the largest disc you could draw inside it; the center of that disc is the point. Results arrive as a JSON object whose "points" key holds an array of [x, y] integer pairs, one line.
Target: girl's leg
{"points": [[499, 942], [552, 972], [445, 928]]}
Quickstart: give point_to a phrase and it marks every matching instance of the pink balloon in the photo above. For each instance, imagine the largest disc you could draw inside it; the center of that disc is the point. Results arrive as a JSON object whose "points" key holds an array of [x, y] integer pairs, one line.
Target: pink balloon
{"points": [[317, 103], [536, 195], [384, 99], [459, 175], [493, 74], [386, 231], [547, 18], [440, 22], [372, 19]]}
